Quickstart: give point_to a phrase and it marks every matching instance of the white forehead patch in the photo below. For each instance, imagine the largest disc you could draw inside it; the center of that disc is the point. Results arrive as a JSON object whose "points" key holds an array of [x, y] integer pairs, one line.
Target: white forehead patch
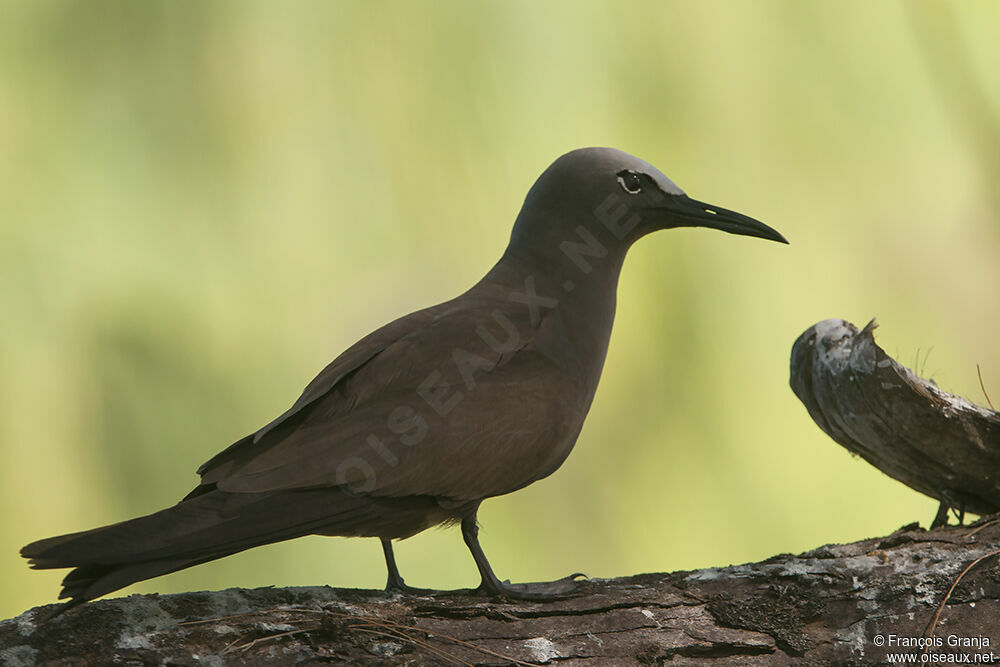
{"points": [[661, 180]]}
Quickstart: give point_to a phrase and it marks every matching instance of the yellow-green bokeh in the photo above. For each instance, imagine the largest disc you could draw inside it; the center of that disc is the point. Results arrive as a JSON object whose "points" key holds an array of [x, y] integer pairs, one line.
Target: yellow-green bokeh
{"points": [[202, 203]]}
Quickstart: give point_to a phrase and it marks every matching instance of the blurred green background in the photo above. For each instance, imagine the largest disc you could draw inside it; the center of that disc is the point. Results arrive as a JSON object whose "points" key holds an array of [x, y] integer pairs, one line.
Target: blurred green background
{"points": [[202, 203]]}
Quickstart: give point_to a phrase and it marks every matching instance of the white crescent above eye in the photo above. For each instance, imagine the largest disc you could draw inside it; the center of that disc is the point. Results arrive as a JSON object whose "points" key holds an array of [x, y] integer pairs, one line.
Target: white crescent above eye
{"points": [[657, 176]]}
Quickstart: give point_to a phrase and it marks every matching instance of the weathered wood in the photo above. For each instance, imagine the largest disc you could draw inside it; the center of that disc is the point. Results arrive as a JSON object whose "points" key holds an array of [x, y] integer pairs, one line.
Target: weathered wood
{"points": [[937, 443], [827, 606]]}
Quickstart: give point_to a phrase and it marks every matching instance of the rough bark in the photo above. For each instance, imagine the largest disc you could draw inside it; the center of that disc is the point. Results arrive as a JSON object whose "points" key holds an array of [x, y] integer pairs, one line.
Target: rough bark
{"points": [[934, 442], [914, 592], [826, 606]]}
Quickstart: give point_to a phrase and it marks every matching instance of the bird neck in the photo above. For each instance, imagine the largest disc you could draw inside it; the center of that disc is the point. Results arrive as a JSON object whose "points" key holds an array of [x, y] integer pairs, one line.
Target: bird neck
{"points": [[572, 278], [579, 268], [582, 302]]}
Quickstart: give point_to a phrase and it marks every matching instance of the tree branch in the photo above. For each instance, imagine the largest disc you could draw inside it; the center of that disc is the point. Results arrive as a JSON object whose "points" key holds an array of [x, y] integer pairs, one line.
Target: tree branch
{"points": [[825, 606], [934, 442]]}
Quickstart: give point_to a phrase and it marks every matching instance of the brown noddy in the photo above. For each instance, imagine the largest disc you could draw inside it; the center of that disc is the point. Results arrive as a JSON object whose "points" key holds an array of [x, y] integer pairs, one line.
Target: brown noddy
{"points": [[420, 421]]}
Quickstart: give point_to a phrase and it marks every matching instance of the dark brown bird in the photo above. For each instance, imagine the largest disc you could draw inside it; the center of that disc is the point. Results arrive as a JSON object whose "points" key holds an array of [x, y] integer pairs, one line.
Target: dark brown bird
{"points": [[419, 422]]}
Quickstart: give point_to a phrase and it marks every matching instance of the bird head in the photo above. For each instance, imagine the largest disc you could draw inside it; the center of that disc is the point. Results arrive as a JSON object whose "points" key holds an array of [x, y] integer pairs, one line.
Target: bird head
{"points": [[628, 197]]}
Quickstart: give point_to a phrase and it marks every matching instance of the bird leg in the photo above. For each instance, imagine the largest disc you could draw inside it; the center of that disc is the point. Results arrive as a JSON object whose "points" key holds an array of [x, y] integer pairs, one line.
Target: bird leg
{"points": [[491, 585], [395, 583], [941, 518]]}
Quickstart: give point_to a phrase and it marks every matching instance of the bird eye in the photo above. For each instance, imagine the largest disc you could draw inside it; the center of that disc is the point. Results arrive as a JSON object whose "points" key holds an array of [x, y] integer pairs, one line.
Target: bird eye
{"points": [[630, 182]]}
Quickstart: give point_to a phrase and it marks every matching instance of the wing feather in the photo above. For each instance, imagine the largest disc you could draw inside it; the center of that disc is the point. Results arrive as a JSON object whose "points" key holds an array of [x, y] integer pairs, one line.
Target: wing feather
{"points": [[436, 412]]}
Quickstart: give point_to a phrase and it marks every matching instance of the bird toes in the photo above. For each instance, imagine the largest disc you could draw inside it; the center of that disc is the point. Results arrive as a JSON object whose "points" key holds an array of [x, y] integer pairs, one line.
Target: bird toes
{"points": [[539, 591], [400, 588]]}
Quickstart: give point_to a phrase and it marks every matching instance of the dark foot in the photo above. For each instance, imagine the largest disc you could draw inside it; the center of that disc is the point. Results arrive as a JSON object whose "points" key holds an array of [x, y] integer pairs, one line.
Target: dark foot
{"points": [[538, 591], [394, 583], [402, 589]]}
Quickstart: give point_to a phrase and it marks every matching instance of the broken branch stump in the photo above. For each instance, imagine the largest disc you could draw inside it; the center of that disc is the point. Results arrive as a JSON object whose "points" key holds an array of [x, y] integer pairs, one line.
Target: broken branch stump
{"points": [[937, 443]]}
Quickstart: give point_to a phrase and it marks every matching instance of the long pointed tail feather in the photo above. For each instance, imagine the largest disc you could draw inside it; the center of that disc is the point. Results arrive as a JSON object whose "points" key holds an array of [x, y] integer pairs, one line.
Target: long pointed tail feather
{"points": [[198, 529]]}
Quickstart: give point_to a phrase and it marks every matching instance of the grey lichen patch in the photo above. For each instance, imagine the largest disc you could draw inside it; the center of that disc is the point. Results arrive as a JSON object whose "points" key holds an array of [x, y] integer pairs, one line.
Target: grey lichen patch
{"points": [[856, 637], [862, 564], [541, 649], [707, 574], [651, 616], [24, 623], [145, 612], [274, 627], [19, 656], [831, 336], [129, 641], [796, 568], [384, 649]]}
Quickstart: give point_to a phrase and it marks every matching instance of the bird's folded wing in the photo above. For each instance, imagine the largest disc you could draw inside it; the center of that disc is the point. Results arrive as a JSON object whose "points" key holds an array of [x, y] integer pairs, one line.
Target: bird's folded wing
{"points": [[436, 412], [336, 371]]}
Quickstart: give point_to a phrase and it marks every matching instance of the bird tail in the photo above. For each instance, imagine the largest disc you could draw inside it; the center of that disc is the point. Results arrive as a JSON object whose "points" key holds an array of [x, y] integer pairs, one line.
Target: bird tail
{"points": [[207, 525]]}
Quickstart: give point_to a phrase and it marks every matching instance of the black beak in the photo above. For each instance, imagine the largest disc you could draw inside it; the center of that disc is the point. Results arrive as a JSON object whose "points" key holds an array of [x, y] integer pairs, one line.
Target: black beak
{"points": [[686, 212]]}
